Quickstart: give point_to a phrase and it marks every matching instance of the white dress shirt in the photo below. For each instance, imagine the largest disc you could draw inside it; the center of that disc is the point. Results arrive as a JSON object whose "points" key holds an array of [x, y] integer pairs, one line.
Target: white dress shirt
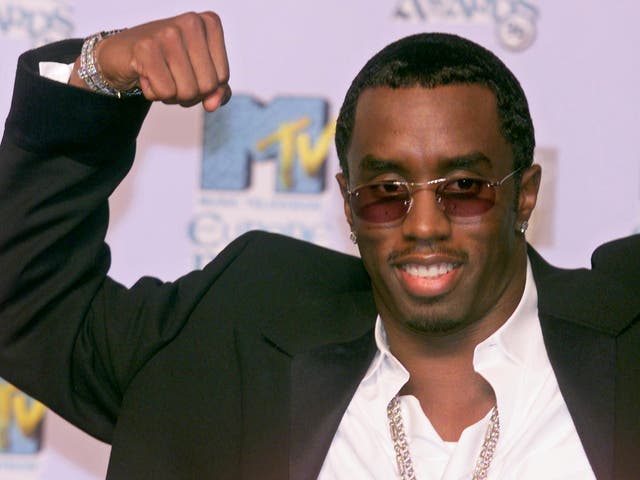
{"points": [[538, 439], [60, 72]]}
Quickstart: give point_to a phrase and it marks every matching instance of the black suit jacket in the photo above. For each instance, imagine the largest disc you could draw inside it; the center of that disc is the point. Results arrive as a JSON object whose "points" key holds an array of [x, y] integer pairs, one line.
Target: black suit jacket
{"points": [[243, 369]]}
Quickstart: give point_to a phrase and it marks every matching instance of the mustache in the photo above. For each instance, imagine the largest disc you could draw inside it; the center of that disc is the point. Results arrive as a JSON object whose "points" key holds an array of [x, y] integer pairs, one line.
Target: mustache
{"points": [[458, 255]]}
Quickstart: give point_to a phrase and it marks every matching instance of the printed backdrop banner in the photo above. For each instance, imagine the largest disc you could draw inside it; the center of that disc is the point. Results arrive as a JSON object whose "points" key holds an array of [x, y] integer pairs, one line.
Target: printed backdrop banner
{"points": [[267, 159]]}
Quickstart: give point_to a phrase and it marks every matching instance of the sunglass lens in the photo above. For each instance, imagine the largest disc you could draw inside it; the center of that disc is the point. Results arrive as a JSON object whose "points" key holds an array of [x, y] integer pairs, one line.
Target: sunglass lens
{"points": [[381, 203], [467, 197]]}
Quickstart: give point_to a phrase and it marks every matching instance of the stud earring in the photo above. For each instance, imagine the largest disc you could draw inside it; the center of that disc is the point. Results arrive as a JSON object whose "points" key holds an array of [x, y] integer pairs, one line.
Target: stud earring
{"points": [[523, 227], [353, 237]]}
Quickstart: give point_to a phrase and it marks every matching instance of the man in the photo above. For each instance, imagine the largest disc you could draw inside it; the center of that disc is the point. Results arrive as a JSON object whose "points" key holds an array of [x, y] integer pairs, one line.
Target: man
{"points": [[449, 351]]}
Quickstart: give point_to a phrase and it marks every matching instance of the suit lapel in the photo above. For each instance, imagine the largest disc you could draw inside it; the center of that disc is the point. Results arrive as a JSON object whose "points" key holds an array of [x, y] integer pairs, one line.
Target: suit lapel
{"points": [[584, 364], [323, 381], [584, 317], [330, 351]]}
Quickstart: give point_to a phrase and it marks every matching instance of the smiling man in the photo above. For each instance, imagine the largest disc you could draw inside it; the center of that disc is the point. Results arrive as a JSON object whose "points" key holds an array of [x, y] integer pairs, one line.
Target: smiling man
{"points": [[450, 350], [445, 275]]}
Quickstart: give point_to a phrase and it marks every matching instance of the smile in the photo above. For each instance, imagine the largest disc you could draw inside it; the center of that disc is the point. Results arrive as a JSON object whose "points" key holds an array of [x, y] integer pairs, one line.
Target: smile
{"points": [[429, 280], [428, 271]]}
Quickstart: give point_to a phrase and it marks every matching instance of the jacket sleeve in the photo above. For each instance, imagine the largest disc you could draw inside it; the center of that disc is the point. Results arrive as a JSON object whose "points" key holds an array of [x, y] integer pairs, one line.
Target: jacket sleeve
{"points": [[69, 335]]}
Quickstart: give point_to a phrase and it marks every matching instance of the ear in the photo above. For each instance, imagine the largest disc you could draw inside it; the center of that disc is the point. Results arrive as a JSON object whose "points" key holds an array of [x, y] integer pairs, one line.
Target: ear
{"points": [[529, 187], [344, 190]]}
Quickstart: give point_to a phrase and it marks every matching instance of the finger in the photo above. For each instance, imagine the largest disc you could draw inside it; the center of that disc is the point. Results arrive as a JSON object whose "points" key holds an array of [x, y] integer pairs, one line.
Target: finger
{"points": [[220, 97], [151, 95], [197, 47], [178, 59], [217, 49], [155, 77]]}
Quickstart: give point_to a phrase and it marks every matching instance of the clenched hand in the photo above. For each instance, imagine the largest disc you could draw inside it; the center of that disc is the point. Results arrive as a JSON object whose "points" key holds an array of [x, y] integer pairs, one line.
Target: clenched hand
{"points": [[177, 60]]}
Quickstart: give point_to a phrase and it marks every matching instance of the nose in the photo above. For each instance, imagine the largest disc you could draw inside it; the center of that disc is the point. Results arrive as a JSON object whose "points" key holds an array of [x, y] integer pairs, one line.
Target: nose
{"points": [[426, 220]]}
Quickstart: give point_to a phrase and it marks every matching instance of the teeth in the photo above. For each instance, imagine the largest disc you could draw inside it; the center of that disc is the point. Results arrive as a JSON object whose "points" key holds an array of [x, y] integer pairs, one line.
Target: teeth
{"points": [[431, 271]]}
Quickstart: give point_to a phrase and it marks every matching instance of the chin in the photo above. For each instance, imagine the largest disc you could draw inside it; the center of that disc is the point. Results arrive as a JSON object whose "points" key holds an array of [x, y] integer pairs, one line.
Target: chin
{"points": [[429, 316], [434, 326], [434, 318]]}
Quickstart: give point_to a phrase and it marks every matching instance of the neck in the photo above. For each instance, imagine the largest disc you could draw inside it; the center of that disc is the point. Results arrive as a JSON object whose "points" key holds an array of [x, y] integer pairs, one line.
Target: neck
{"points": [[451, 393], [442, 377]]}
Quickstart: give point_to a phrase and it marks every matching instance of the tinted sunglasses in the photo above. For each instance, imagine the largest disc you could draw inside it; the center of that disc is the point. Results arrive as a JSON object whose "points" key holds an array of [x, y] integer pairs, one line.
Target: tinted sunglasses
{"points": [[459, 197]]}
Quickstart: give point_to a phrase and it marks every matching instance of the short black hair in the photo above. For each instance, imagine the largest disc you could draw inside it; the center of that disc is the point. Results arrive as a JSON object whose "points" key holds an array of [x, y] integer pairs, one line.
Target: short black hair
{"points": [[435, 59]]}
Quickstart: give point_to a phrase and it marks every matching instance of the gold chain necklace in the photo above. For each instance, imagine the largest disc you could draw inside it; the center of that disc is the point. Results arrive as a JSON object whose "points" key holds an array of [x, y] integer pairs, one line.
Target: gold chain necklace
{"points": [[403, 455]]}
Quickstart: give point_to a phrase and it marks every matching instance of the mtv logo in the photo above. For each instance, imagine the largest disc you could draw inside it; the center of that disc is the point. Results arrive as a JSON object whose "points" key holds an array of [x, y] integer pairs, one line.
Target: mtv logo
{"points": [[294, 132], [21, 420]]}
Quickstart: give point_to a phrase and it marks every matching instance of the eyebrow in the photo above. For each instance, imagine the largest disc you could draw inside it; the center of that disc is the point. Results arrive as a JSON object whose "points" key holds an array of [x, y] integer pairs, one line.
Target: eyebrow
{"points": [[374, 164], [468, 160]]}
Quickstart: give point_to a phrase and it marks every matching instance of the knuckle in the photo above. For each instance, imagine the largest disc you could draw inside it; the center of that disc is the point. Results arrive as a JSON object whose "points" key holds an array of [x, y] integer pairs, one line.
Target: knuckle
{"points": [[169, 34], [165, 91], [213, 22], [224, 77], [213, 19], [191, 20], [143, 47], [188, 93], [208, 84]]}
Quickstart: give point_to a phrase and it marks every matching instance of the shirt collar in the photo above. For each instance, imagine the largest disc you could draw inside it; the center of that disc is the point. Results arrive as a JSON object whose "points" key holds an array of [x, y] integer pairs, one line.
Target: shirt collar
{"points": [[383, 355], [512, 338]]}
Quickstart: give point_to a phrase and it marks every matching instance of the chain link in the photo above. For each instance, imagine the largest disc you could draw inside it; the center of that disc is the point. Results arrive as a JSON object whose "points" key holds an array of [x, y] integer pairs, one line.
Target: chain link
{"points": [[403, 454]]}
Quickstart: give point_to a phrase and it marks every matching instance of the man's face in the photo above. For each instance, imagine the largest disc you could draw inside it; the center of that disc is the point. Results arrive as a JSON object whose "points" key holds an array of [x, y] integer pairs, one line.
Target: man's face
{"points": [[432, 273]]}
